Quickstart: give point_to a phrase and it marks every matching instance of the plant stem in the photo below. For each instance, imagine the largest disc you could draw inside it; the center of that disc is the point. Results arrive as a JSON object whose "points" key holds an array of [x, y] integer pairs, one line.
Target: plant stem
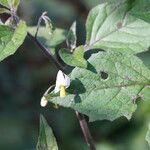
{"points": [[86, 132], [39, 23], [46, 52]]}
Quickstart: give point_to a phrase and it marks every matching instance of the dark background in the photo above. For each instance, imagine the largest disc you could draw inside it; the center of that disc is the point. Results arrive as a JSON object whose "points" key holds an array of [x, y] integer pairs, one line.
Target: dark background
{"points": [[25, 76]]}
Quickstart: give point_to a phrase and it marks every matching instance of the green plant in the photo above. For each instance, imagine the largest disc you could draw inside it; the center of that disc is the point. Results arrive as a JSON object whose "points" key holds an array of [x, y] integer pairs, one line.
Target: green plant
{"points": [[105, 85]]}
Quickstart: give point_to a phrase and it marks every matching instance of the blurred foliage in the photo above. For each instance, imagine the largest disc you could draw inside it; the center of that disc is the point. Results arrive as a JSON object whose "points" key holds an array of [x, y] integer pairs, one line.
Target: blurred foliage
{"points": [[46, 138], [25, 76], [50, 41]]}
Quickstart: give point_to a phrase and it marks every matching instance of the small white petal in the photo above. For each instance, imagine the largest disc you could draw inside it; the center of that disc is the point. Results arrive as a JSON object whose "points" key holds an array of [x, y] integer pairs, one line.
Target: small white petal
{"points": [[67, 79], [44, 101], [57, 89], [61, 79]]}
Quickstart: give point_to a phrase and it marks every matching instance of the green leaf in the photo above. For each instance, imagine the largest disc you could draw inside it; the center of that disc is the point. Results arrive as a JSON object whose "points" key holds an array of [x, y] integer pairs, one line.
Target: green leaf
{"points": [[108, 88], [11, 40], [3, 10], [46, 140], [111, 27], [142, 10], [74, 59], [4, 2], [49, 26], [106, 146], [8, 3], [72, 38], [16, 3], [148, 135], [50, 41]]}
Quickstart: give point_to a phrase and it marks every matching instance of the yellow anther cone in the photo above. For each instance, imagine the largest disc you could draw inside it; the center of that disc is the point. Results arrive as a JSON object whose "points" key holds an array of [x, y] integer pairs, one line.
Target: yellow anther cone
{"points": [[62, 91]]}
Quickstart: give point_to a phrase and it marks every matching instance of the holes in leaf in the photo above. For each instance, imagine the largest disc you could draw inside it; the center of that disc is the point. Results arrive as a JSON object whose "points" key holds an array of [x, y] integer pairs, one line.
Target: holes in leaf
{"points": [[104, 75], [136, 99], [119, 25]]}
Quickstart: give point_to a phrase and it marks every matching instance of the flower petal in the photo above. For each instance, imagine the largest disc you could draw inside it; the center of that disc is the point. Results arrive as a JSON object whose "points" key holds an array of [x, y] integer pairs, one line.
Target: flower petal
{"points": [[61, 80], [67, 79]]}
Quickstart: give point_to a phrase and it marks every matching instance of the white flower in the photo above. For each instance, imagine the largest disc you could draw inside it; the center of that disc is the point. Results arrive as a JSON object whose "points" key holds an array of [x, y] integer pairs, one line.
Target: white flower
{"points": [[44, 101], [62, 82]]}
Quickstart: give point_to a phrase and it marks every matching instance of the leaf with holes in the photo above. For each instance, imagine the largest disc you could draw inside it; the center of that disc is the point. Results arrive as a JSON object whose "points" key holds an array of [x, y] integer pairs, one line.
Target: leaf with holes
{"points": [[111, 27], [46, 140], [11, 40], [108, 88], [142, 10], [50, 41], [75, 59], [148, 135]]}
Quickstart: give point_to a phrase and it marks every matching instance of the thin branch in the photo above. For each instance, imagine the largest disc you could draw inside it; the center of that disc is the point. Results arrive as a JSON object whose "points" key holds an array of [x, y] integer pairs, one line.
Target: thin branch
{"points": [[38, 26], [39, 23], [85, 130], [46, 52]]}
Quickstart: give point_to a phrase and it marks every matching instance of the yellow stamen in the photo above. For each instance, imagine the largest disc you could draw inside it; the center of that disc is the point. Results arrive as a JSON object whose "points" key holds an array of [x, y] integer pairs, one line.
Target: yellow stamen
{"points": [[62, 91]]}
